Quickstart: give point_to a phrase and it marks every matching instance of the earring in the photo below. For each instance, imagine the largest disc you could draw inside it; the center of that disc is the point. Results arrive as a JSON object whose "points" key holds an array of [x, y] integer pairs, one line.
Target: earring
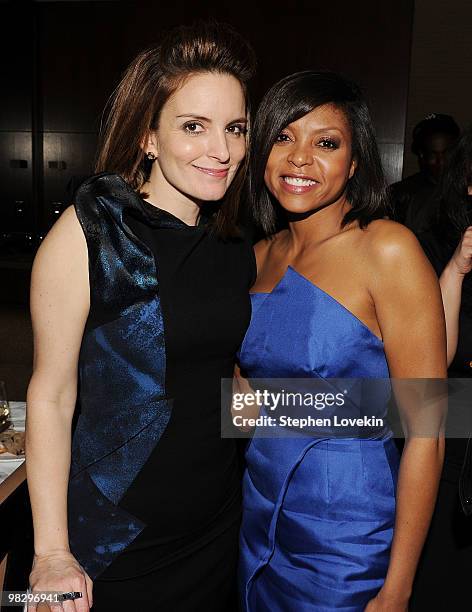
{"points": [[150, 156]]}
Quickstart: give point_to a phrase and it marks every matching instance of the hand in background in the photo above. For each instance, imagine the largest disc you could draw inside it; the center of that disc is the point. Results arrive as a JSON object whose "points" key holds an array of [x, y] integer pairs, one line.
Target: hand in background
{"points": [[462, 258]]}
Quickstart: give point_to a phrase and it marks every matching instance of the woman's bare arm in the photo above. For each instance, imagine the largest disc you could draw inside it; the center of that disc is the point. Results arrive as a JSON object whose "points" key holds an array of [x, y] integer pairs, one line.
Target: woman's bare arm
{"points": [[59, 309], [450, 281], [408, 304]]}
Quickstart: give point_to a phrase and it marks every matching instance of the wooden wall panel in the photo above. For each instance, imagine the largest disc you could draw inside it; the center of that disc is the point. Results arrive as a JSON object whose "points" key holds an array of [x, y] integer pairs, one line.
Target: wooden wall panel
{"points": [[16, 202], [16, 66], [65, 155], [83, 47], [441, 66]]}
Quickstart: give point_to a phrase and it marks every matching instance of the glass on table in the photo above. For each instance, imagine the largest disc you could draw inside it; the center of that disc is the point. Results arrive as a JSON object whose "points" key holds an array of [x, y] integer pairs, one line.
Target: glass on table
{"points": [[4, 406]]}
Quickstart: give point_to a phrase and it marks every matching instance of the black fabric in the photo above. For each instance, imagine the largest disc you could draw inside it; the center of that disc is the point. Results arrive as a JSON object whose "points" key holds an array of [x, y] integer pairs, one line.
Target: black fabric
{"points": [[202, 582], [443, 577], [188, 492], [415, 202]]}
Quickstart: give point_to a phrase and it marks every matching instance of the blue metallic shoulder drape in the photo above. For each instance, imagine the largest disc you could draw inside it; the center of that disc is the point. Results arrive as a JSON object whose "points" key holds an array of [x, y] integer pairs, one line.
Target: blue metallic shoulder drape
{"points": [[123, 405]]}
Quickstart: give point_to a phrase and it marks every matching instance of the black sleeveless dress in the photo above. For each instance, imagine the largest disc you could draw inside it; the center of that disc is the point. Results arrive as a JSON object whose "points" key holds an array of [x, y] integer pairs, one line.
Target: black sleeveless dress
{"points": [[187, 493]]}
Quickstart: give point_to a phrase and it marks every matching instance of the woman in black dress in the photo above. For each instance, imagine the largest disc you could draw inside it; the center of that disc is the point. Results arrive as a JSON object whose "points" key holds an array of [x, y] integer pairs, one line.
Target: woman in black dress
{"points": [[442, 581], [140, 294]]}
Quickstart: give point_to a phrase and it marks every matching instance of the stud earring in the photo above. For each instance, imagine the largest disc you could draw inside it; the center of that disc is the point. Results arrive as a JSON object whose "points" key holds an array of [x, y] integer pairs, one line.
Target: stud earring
{"points": [[150, 156]]}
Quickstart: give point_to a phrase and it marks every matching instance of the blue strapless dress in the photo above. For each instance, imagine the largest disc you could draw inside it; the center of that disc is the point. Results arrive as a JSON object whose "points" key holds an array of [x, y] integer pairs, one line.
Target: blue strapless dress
{"points": [[318, 513]]}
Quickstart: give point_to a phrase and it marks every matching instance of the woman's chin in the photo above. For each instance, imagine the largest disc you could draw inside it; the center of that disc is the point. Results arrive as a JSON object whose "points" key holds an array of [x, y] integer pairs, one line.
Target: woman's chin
{"points": [[203, 194], [210, 195], [302, 209]]}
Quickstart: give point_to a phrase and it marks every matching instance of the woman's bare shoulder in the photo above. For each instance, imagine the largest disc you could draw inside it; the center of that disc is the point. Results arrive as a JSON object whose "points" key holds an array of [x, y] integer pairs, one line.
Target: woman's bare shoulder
{"points": [[64, 250], [388, 240], [67, 227], [395, 259]]}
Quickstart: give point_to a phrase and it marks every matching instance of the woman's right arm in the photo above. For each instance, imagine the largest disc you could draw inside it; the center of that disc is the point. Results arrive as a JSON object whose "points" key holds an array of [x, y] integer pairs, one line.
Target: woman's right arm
{"points": [[59, 309], [451, 281]]}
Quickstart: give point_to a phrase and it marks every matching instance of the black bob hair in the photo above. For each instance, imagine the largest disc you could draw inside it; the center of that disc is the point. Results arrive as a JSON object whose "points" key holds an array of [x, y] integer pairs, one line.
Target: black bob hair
{"points": [[287, 101]]}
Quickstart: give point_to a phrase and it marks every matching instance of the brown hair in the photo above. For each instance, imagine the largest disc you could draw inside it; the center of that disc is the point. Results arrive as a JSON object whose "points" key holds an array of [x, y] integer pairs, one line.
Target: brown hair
{"points": [[149, 81]]}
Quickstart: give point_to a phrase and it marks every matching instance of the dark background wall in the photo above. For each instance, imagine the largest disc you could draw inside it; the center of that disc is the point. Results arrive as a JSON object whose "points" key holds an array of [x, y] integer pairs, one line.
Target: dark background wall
{"points": [[441, 66], [61, 61]]}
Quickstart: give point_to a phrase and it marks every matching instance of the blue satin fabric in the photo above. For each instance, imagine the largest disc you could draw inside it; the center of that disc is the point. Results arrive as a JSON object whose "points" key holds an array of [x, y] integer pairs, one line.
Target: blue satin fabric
{"points": [[123, 405], [318, 513]]}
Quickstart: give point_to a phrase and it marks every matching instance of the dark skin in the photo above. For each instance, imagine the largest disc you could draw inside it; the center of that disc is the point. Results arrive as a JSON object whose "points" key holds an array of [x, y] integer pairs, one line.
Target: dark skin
{"points": [[432, 155], [381, 275]]}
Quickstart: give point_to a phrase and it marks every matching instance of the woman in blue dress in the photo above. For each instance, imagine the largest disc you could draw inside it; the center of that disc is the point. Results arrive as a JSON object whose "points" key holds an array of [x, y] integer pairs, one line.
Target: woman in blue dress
{"points": [[333, 523]]}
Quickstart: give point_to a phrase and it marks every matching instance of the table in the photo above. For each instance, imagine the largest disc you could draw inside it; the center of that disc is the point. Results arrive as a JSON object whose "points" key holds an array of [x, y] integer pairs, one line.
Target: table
{"points": [[8, 468], [12, 473]]}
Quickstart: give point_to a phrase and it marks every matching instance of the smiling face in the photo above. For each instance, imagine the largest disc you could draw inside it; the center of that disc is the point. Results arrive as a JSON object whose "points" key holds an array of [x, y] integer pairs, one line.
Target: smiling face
{"points": [[200, 141], [311, 161]]}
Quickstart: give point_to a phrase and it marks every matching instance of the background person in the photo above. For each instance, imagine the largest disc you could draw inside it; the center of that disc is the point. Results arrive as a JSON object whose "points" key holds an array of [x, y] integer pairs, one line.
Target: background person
{"points": [[443, 573], [415, 198]]}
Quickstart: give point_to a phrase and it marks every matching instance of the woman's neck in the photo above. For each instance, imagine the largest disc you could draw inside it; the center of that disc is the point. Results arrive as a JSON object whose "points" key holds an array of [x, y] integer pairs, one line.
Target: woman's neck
{"points": [[166, 197], [318, 226]]}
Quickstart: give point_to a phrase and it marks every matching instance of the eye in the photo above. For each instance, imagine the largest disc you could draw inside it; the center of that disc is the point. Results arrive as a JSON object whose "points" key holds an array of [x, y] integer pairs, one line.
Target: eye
{"points": [[328, 143], [237, 129], [282, 137], [192, 127]]}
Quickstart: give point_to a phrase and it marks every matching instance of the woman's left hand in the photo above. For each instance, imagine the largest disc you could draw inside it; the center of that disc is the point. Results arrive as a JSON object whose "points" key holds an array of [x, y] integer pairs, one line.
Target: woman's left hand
{"points": [[387, 603]]}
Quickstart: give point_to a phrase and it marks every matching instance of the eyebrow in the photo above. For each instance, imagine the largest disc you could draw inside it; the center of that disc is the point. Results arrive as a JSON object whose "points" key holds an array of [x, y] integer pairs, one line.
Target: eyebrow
{"points": [[322, 129], [201, 118]]}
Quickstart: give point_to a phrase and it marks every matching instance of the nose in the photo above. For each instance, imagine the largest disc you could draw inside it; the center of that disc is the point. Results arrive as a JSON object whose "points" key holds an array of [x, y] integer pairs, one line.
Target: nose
{"points": [[300, 155], [218, 147]]}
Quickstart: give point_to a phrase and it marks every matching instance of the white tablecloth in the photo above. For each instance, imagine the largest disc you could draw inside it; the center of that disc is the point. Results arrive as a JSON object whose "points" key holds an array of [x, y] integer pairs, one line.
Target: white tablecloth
{"points": [[17, 411]]}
